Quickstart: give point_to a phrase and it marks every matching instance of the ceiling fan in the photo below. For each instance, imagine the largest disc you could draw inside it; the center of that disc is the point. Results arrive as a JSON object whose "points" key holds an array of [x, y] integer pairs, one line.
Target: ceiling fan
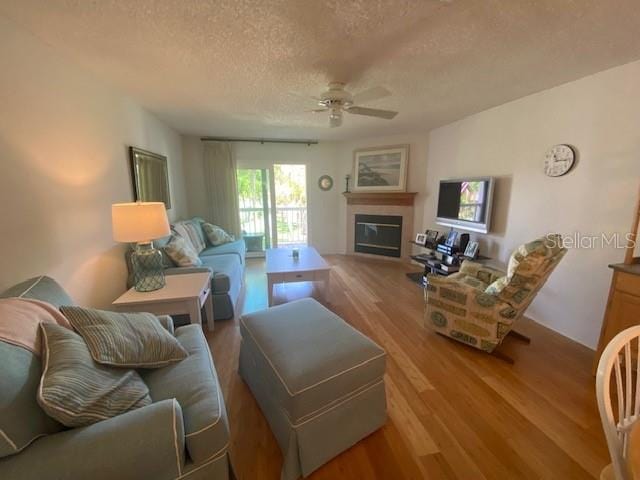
{"points": [[337, 100]]}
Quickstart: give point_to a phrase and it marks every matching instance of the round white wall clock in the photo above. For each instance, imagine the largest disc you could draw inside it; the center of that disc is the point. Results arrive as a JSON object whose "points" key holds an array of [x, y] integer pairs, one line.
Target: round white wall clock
{"points": [[559, 160]]}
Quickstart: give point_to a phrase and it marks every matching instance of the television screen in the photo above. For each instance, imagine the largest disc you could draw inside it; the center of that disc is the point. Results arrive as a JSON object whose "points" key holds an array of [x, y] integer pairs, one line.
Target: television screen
{"points": [[465, 203]]}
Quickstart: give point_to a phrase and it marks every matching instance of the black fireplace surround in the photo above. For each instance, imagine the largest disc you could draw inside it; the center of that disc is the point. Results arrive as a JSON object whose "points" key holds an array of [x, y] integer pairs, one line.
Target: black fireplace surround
{"points": [[378, 235]]}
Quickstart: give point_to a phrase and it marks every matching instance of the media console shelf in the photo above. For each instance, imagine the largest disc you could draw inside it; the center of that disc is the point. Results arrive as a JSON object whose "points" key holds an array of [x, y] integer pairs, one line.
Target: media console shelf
{"points": [[430, 262]]}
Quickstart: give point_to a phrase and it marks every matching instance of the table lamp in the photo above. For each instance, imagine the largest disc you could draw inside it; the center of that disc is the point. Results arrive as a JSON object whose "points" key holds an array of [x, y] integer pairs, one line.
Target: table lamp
{"points": [[142, 222]]}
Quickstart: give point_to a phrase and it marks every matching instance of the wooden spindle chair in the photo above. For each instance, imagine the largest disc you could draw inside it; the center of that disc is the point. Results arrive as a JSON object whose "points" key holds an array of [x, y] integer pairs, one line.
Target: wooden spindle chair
{"points": [[620, 363]]}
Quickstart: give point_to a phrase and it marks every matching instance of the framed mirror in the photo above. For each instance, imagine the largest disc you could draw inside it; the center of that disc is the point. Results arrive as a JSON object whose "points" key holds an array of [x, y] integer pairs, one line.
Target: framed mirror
{"points": [[150, 177]]}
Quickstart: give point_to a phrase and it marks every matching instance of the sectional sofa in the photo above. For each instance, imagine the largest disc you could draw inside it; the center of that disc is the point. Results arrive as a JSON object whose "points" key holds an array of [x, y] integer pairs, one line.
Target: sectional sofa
{"points": [[225, 262]]}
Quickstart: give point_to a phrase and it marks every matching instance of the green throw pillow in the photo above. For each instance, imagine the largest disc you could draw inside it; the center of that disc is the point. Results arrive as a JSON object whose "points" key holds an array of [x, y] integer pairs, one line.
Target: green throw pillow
{"points": [[216, 235], [134, 340], [76, 391]]}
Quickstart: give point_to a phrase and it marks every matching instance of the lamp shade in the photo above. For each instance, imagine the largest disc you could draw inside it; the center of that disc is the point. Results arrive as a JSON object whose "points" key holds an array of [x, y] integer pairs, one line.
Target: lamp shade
{"points": [[139, 222]]}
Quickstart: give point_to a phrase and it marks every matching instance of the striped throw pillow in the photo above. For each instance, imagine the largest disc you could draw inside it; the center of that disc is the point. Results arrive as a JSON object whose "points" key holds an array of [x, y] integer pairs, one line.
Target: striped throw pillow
{"points": [[76, 391], [190, 233], [135, 340]]}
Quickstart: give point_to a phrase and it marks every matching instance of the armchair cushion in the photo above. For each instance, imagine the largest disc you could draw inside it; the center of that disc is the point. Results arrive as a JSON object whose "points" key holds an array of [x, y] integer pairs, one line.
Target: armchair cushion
{"points": [[135, 340], [480, 271], [468, 280], [75, 390]]}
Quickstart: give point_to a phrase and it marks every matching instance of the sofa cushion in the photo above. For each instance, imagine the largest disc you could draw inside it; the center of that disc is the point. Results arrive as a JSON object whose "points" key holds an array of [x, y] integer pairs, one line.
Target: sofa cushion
{"points": [[194, 383], [227, 269], [237, 248], [75, 390], [135, 340], [21, 418], [310, 356], [40, 288]]}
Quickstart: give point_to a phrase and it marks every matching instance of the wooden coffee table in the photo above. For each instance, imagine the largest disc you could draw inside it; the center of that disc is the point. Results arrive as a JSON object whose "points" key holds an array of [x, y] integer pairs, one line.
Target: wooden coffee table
{"points": [[283, 268], [183, 294]]}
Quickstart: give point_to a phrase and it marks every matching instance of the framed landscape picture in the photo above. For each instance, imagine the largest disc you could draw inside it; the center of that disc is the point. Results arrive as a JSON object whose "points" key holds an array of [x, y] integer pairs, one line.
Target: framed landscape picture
{"points": [[381, 169]]}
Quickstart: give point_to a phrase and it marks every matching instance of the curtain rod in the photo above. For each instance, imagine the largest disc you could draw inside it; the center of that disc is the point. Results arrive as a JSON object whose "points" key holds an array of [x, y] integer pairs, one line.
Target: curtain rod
{"points": [[259, 140]]}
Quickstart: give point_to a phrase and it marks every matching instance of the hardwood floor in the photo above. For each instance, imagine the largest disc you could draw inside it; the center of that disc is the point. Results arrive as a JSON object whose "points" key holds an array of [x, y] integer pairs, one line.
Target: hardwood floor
{"points": [[453, 412]]}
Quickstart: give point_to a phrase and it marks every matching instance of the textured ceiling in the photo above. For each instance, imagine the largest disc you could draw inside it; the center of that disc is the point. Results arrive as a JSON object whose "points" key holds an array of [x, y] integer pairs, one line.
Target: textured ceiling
{"points": [[248, 68]]}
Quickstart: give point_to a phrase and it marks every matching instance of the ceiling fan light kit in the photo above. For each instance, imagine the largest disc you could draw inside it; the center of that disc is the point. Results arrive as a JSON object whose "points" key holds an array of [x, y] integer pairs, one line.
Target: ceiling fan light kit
{"points": [[337, 100]]}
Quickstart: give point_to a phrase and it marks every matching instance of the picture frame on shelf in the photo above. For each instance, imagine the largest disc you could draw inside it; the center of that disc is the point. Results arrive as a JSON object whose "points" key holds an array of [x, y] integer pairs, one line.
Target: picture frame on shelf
{"points": [[381, 169], [472, 249], [432, 237], [421, 239], [452, 236]]}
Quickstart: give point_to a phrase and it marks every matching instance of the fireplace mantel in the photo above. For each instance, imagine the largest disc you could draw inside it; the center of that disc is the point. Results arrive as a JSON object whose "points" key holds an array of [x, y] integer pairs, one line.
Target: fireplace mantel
{"points": [[379, 198]]}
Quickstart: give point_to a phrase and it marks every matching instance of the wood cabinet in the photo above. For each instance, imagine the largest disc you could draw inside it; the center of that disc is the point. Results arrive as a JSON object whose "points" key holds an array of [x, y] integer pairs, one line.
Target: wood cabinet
{"points": [[623, 305]]}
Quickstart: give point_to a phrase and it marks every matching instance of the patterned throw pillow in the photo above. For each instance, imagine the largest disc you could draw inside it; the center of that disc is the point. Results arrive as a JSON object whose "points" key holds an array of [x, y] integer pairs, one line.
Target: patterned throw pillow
{"points": [[181, 253], [496, 287], [135, 340], [76, 391], [216, 235], [191, 234]]}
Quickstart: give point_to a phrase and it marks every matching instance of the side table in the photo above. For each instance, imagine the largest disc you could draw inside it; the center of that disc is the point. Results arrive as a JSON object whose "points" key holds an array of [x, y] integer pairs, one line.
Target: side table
{"points": [[183, 294]]}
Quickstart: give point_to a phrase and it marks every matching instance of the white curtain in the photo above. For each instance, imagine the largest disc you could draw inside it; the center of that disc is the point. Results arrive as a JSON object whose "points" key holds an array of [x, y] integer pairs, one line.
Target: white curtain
{"points": [[222, 188]]}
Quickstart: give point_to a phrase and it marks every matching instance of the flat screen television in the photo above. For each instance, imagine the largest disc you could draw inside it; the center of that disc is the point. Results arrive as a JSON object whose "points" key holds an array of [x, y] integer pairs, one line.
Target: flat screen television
{"points": [[466, 204]]}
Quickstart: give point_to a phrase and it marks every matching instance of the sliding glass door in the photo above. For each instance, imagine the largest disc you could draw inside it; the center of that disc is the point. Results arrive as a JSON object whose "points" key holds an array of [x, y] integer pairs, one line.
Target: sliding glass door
{"points": [[290, 188], [273, 206]]}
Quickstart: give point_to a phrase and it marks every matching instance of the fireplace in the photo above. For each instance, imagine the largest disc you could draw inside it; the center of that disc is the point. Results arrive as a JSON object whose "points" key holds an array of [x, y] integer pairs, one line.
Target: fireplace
{"points": [[379, 224], [378, 235]]}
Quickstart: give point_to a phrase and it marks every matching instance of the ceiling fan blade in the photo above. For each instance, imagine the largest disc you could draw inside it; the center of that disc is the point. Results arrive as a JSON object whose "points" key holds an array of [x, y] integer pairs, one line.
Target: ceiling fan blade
{"points": [[372, 112], [370, 95], [317, 110]]}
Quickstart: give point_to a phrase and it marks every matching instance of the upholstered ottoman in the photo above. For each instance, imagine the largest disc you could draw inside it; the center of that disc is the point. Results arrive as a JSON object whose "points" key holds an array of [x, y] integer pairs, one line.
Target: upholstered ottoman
{"points": [[319, 382]]}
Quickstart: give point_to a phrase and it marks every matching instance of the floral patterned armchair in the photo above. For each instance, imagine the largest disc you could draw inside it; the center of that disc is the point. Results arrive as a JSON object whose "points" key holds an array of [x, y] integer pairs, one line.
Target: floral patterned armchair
{"points": [[479, 304]]}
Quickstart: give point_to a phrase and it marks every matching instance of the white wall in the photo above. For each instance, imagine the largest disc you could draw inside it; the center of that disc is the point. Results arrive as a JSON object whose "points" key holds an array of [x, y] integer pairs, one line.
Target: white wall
{"points": [[600, 115], [319, 160], [64, 161]]}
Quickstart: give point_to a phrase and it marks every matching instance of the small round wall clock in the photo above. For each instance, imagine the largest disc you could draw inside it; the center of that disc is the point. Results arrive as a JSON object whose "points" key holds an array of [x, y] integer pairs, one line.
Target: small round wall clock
{"points": [[325, 182], [559, 160]]}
